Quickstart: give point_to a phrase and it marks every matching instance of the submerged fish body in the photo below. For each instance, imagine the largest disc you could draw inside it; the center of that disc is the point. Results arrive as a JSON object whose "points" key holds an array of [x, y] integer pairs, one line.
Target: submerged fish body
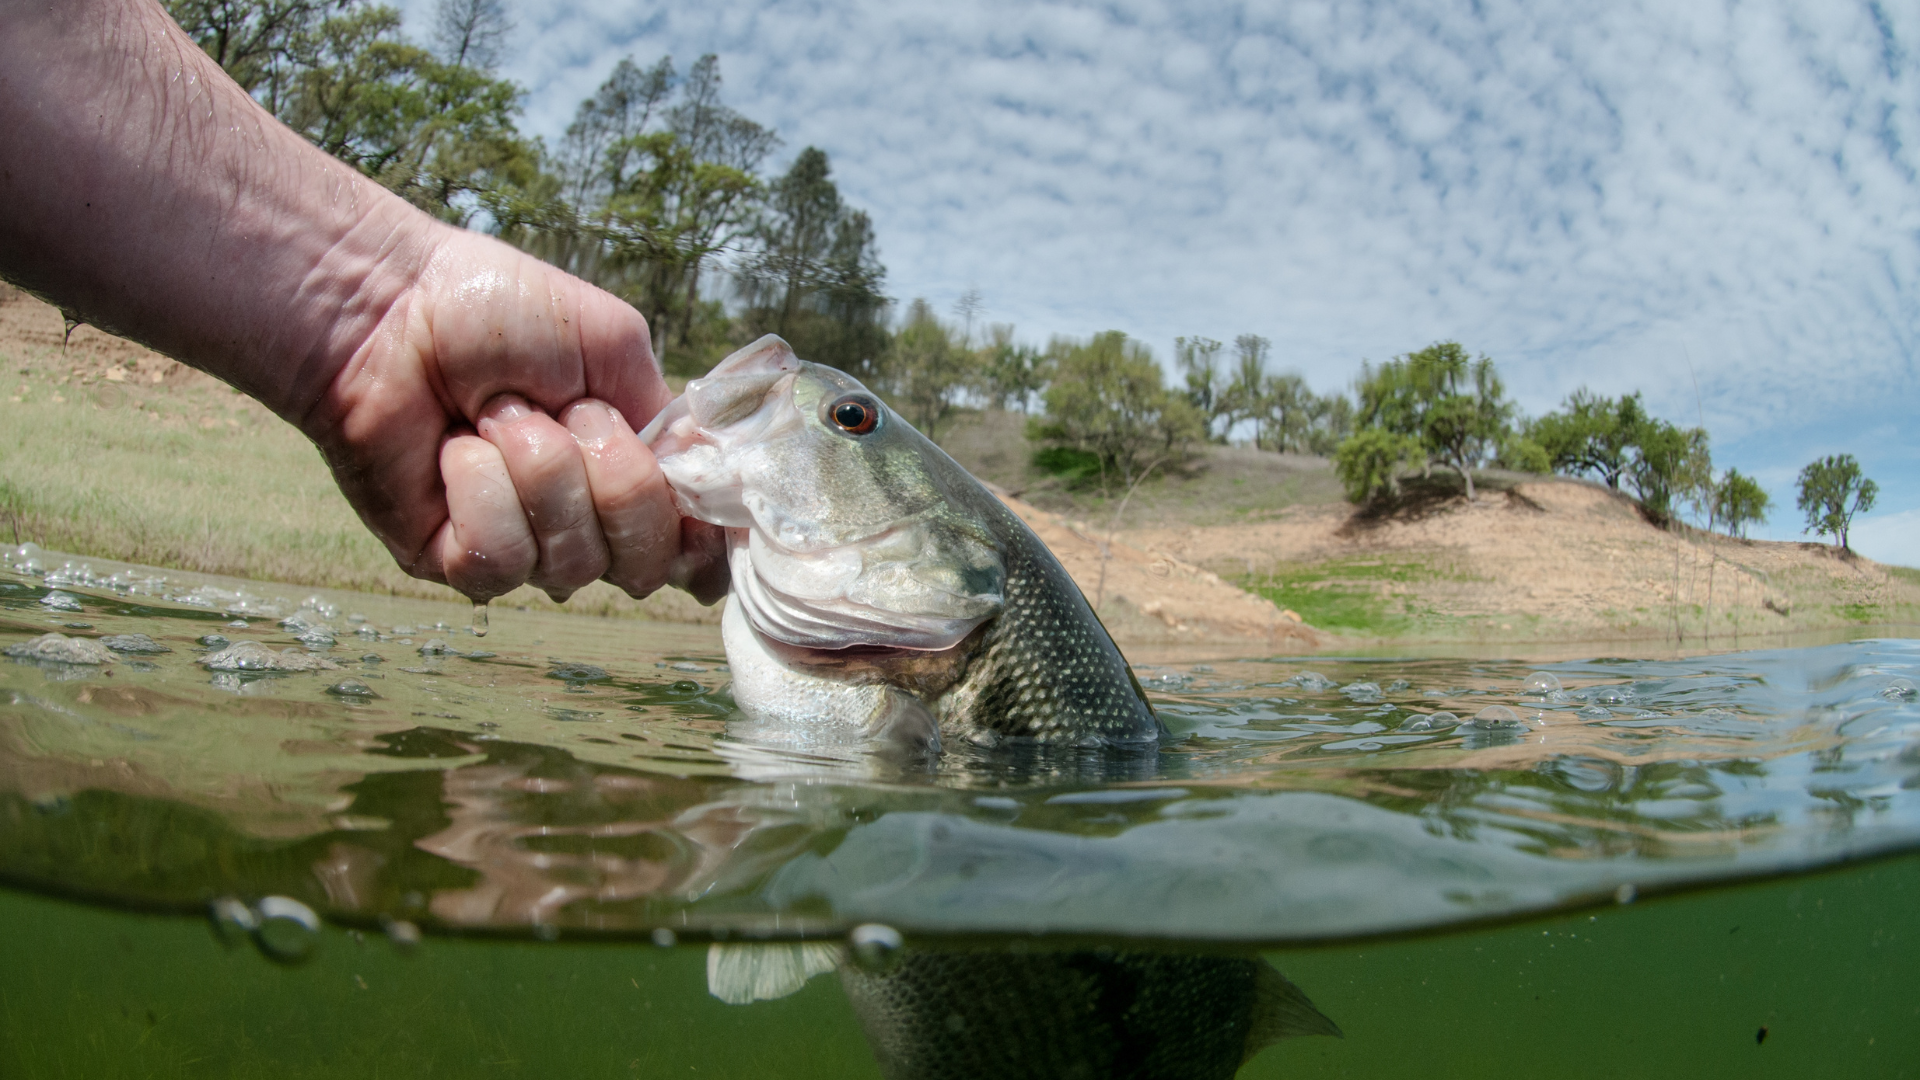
{"points": [[877, 587], [959, 1014]]}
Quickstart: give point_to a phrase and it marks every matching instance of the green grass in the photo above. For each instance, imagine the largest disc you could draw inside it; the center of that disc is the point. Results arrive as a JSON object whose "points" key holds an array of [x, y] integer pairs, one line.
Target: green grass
{"points": [[1345, 595], [1860, 613]]}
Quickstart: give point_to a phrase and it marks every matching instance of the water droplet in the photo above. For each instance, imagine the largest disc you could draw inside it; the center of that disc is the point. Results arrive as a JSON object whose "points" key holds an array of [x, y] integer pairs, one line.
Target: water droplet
{"points": [[874, 946], [664, 937], [1541, 682], [479, 618], [288, 929]]}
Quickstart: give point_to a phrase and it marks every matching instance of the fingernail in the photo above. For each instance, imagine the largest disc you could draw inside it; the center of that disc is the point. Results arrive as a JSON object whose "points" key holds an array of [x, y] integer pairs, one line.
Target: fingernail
{"points": [[506, 408], [591, 422]]}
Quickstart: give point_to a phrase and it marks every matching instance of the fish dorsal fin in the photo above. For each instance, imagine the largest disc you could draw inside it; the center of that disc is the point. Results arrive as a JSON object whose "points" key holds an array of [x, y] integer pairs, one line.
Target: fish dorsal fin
{"points": [[1281, 1011], [743, 974]]}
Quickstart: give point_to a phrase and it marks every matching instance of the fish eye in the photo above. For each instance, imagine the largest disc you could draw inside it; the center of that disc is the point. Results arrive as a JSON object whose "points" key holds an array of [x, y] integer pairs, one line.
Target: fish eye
{"points": [[855, 414]]}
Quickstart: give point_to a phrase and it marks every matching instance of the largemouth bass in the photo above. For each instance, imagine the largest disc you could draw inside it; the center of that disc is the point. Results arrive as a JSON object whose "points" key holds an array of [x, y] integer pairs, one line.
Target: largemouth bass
{"points": [[877, 587], [1043, 1014]]}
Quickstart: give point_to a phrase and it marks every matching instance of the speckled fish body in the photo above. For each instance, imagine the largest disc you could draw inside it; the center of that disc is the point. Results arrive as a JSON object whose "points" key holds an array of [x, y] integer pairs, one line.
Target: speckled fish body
{"points": [[877, 587], [955, 1016], [958, 1015]]}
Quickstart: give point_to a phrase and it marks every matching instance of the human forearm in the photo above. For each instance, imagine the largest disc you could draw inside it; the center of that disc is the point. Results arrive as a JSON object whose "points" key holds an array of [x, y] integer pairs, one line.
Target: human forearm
{"points": [[141, 187]]}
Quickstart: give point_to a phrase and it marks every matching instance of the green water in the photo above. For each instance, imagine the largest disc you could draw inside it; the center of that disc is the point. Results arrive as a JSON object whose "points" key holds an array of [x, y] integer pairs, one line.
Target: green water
{"points": [[1829, 964], [1631, 875]]}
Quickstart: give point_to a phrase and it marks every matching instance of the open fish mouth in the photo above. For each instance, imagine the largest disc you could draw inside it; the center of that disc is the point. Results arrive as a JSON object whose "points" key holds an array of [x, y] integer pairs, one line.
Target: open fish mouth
{"points": [[827, 548]]}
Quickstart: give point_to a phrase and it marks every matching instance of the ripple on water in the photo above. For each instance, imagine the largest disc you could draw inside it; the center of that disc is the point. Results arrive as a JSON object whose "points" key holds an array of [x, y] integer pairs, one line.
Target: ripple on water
{"points": [[593, 781]]}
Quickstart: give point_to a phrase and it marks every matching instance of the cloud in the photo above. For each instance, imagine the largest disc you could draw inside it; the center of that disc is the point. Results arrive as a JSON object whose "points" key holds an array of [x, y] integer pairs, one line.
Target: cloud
{"points": [[1889, 538], [1715, 204]]}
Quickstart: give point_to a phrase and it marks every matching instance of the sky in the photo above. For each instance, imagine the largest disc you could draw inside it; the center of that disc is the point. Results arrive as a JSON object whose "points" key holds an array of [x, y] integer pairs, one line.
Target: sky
{"points": [[1715, 204]]}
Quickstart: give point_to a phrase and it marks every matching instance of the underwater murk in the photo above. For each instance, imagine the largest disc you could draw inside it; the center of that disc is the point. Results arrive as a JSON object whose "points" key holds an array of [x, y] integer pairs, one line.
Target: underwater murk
{"points": [[345, 836]]}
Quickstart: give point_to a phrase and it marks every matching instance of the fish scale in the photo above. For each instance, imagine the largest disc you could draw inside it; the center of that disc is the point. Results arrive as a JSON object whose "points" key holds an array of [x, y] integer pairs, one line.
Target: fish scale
{"points": [[1047, 669]]}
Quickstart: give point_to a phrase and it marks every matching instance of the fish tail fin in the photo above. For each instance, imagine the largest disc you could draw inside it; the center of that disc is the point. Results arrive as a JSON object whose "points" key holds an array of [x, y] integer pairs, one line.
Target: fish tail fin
{"points": [[1282, 1011], [743, 974]]}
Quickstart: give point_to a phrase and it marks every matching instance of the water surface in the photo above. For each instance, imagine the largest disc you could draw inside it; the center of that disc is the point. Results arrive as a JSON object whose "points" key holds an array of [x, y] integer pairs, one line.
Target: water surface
{"points": [[573, 791]]}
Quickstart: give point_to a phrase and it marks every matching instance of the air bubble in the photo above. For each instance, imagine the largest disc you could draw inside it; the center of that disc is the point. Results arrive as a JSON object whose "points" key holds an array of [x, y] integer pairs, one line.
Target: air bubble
{"points": [[1431, 722], [288, 929], [1900, 690], [874, 946], [664, 937], [404, 935], [232, 920], [1496, 716], [1542, 683], [1595, 712]]}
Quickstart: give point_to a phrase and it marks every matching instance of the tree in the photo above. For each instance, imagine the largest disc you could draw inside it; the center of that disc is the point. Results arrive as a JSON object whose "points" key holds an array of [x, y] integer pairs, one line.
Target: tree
{"points": [[815, 278], [1199, 361], [1329, 423], [1455, 408], [1011, 374], [469, 33], [1832, 491], [258, 43], [1591, 434], [1668, 462], [438, 134], [1107, 399], [926, 367], [656, 181], [1521, 454], [1739, 501], [1369, 463]]}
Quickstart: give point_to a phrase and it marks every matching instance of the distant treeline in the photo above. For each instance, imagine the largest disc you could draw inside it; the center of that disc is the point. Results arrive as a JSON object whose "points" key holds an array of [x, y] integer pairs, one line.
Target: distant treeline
{"points": [[657, 192]]}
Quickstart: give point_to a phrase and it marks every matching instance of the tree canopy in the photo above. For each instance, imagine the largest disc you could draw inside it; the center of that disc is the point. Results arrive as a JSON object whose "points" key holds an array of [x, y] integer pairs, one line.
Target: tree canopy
{"points": [[1107, 399], [1832, 491]]}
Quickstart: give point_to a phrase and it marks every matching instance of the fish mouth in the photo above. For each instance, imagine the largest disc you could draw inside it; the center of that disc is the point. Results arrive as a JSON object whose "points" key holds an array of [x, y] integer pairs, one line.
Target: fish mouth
{"points": [[925, 672], [724, 399]]}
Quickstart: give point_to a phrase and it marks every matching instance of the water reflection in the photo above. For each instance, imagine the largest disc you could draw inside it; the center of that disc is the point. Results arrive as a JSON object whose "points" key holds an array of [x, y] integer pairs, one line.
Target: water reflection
{"points": [[578, 777]]}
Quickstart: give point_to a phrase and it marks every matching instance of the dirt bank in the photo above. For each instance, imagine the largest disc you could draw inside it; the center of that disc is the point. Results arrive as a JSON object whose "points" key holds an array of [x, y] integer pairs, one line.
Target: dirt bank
{"points": [[107, 449], [1545, 559]]}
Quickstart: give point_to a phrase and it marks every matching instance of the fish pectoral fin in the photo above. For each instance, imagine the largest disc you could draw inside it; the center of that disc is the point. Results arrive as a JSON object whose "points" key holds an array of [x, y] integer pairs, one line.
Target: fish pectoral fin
{"points": [[1282, 1011], [743, 974], [905, 722]]}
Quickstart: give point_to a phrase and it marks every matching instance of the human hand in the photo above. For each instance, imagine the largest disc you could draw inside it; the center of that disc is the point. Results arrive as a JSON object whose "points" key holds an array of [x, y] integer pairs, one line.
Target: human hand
{"points": [[484, 430]]}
